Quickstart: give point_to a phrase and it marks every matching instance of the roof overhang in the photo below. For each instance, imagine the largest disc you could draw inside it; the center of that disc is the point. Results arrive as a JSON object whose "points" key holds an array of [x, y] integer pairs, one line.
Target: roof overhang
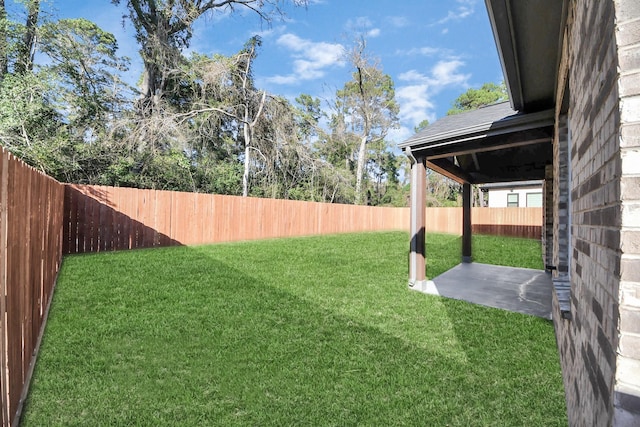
{"points": [[484, 136], [528, 36]]}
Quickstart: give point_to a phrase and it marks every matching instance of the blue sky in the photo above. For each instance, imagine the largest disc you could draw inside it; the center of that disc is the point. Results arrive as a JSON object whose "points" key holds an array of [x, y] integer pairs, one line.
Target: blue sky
{"points": [[434, 50]]}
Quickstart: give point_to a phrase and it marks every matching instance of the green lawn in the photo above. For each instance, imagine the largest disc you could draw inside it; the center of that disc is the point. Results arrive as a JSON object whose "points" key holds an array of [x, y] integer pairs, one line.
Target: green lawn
{"points": [[306, 332]]}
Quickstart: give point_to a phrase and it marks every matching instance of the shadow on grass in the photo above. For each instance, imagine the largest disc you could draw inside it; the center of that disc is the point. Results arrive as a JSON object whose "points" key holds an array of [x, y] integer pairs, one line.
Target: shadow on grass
{"points": [[204, 341]]}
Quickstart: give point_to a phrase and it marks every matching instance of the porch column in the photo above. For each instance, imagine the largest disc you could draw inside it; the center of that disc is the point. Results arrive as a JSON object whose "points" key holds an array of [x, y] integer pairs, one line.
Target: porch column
{"points": [[417, 269], [466, 222]]}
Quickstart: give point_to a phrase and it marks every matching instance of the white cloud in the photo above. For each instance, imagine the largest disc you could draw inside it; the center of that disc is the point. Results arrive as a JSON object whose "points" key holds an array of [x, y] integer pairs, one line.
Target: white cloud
{"points": [[413, 76], [311, 59], [445, 73], [362, 25], [283, 80], [266, 33], [415, 105], [359, 23], [397, 21], [415, 97], [400, 134], [374, 32], [424, 51], [464, 9]]}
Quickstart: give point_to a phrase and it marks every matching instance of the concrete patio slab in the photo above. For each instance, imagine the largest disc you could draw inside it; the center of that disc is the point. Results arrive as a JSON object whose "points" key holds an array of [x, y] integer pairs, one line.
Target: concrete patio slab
{"points": [[521, 290]]}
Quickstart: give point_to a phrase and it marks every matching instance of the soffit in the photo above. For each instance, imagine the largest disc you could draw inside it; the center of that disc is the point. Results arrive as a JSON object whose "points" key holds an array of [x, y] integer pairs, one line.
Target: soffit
{"points": [[528, 35]]}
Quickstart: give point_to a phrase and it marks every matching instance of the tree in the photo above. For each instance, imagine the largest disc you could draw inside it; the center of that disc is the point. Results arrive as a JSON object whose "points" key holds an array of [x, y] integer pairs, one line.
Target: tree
{"points": [[308, 115], [26, 49], [327, 176], [31, 128], [421, 126], [84, 65], [251, 104], [164, 29], [367, 108], [489, 93], [231, 94], [383, 168], [18, 40], [54, 110]]}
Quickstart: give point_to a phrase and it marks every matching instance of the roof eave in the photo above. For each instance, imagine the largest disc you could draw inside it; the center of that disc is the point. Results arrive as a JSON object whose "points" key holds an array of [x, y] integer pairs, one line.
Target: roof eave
{"points": [[506, 125], [503, 34]]}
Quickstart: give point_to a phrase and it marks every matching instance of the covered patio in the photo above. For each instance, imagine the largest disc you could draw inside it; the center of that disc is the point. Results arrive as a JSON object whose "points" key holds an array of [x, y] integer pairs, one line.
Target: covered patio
{"points": [[488, 145], [509, 141], [491, 144]]}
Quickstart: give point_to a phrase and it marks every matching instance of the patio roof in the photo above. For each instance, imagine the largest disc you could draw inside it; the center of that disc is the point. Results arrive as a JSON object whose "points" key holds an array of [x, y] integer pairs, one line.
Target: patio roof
{"points": [[491, 144]]}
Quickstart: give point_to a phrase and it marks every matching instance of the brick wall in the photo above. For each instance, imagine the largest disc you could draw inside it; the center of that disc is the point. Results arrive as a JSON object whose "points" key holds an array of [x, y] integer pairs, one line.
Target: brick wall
{"points": [[627, 378], [588, 339]]}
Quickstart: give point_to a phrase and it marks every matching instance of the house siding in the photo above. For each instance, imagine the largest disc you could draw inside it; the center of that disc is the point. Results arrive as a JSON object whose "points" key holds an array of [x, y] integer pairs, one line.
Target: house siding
{"points": [[498, 198], [599, 344]]}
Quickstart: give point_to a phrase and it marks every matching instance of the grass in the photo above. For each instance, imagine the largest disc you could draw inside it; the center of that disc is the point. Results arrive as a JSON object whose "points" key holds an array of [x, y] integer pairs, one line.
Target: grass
{"points": [[307, 331]]}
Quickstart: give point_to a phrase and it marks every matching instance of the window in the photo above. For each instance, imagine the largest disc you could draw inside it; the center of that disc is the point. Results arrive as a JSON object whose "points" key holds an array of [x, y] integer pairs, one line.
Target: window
{"points": [[534, 200], [512, 200]]}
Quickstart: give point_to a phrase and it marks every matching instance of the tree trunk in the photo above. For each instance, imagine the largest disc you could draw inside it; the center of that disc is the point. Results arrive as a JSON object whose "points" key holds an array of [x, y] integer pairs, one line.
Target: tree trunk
{"points": [[4, 62], [360, 170], [248, 125], [247, 157], [24, 62]]}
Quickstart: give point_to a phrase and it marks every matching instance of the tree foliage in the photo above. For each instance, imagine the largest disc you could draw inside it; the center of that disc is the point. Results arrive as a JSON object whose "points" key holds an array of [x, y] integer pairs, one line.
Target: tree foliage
{"points": [[421, 126], [472, 99], [52, 110]]}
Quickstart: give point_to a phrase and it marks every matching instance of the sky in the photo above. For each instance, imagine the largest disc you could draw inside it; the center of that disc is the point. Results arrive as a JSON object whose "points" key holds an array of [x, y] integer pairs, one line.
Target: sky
{"points": [[434, 50]]}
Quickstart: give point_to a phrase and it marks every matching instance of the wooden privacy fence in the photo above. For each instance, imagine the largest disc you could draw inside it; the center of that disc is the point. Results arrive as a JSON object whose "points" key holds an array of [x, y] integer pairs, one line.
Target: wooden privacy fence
{"points": [[516, 222], [30, 255], [108, 218], [101, 218]]}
